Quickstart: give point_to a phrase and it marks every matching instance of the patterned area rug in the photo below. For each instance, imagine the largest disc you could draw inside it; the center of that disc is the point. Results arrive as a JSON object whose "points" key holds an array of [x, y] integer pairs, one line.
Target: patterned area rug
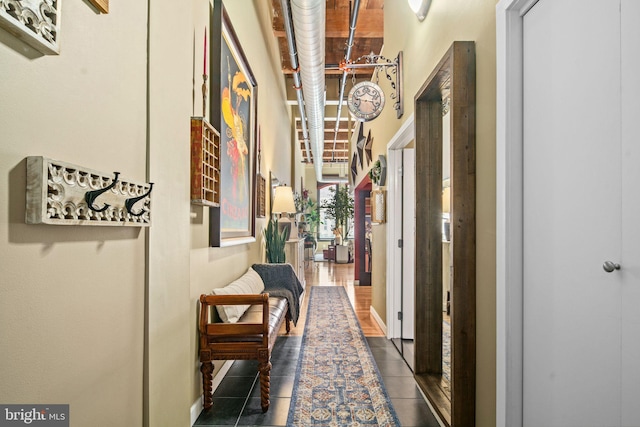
{"points": [[337, 380]]}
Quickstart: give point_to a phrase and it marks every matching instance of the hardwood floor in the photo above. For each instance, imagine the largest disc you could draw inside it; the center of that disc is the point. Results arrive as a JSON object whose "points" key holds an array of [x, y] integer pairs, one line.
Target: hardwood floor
{"points": [[332, 274]]}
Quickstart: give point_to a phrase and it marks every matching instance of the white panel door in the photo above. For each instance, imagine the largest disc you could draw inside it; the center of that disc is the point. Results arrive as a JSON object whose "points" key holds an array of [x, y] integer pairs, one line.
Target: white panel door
{"points": [[408, 241], [572, 162], [630, 272]]}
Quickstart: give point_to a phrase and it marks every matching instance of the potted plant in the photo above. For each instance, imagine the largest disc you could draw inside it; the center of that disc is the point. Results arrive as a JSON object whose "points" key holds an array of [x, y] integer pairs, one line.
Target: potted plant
{"points": [[311, 215], [275, 242], [378, 172], [340, 208]]}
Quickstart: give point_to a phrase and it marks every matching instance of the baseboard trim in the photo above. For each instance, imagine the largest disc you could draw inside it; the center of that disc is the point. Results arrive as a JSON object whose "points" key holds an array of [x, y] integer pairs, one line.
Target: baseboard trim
{"points": [[197, 407], [431, 408], [378, 319]]}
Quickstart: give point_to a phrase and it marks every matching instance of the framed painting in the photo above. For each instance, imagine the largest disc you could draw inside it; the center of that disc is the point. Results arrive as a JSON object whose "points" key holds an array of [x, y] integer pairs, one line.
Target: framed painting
{"points": [[233, 112], [101, 5]]}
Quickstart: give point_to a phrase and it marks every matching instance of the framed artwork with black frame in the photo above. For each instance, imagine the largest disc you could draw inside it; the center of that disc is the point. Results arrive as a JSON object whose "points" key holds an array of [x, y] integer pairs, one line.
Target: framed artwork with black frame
{"points": [[233, 106]]}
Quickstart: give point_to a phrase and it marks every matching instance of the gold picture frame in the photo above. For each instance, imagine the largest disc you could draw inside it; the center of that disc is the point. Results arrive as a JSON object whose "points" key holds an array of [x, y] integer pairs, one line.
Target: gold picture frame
{"points": [[101, 5]]}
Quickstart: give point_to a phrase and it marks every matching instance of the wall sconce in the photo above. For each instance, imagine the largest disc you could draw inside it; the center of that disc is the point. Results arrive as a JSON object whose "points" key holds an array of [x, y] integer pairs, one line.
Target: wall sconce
{"points": [[420, 8], [283, 203]]}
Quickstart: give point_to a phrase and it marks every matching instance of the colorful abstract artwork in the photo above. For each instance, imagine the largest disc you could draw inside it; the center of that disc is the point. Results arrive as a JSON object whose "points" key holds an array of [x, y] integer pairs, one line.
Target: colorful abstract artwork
{"points": [[237, 111]]}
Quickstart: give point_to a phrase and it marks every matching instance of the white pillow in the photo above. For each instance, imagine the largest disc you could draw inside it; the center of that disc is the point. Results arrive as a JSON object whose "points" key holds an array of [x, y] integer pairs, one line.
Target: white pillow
{"points": [[249, 283]]}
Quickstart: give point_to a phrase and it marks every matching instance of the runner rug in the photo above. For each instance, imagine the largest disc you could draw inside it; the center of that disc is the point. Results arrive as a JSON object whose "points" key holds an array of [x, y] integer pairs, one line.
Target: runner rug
{"points": [[337, 380]]}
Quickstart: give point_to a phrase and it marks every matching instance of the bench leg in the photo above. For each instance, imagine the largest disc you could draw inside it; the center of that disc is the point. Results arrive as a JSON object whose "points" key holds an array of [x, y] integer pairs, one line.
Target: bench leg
{"points": [[288, 321], [207, 383], [265, 381]]}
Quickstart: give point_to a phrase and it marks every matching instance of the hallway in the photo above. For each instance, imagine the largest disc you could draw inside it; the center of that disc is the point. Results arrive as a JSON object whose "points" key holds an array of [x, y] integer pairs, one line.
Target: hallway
{"points": [[333, 274], [237, 398]]}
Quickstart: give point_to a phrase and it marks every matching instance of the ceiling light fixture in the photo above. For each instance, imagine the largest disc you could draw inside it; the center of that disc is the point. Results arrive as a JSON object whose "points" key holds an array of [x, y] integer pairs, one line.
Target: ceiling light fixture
{"points": [[420, 8]]}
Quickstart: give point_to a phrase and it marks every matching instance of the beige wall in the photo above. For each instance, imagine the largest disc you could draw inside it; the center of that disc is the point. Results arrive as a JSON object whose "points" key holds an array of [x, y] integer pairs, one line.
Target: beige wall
{"points": [[72, 299], [172, 35], [105, 318], [423, 45], [215, 267]]}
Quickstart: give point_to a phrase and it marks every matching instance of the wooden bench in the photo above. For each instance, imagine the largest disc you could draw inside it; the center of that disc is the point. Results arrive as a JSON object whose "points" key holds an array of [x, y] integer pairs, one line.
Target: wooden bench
{"points": [[251, 338]]}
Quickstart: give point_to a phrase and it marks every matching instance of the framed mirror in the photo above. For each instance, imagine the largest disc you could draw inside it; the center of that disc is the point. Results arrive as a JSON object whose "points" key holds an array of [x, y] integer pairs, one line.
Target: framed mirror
{"points": [[446, 233]]}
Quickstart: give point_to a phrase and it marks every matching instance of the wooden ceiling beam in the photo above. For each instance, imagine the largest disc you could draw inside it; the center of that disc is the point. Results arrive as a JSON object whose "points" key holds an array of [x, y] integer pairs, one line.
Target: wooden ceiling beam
{"points": [[370, 23], [342, 136], [328, 145]]}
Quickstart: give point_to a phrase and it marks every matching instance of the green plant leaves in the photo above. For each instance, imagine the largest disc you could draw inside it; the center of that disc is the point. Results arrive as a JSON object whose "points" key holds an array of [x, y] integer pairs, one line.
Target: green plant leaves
{"points": [[275, 242]]}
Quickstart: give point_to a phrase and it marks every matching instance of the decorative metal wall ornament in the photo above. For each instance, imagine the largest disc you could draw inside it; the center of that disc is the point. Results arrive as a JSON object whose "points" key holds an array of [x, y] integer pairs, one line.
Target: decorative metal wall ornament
{"points": [[61, 193], [354, 167], [378, 172], [392, 70], [35, 22], [205, 76], [368, 146], [360, 144]]}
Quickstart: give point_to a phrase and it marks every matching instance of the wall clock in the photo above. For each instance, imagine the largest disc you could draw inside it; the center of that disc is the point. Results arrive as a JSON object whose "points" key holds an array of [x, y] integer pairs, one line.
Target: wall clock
{"points": [[365, 101]]}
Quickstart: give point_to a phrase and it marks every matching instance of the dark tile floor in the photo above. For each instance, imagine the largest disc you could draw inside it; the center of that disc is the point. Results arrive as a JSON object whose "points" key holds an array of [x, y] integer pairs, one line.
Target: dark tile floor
{"points": [[236, 401]]}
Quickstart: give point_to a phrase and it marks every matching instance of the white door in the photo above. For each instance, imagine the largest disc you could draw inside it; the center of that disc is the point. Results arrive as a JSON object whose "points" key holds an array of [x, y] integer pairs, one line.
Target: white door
{"points": [[630, 272], [408, 241], [580, 336]]}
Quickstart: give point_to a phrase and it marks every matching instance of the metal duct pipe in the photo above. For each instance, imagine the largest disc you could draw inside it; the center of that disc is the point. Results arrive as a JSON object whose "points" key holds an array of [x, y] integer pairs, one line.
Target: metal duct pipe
{"points": [[347, 57], [309, 27], [288, 27]]}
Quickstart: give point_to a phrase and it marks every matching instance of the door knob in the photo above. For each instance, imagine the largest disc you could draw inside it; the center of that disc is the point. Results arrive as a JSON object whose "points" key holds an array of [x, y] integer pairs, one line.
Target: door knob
{"points": [[609, 266]]}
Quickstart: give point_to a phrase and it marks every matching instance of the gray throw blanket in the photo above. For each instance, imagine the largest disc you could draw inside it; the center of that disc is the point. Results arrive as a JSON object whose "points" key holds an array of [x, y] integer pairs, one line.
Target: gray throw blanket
{"points": [[280, 280]]}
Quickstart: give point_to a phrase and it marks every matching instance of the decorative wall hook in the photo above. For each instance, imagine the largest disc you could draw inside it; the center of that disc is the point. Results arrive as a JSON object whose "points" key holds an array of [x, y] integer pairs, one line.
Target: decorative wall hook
{"points": [[91, 196], [132, 201], [35, 22], [61, 193]]}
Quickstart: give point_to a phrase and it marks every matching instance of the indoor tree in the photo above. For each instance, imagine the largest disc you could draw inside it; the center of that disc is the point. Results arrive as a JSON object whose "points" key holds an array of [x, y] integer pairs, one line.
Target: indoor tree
{"points": [[340, 208]]}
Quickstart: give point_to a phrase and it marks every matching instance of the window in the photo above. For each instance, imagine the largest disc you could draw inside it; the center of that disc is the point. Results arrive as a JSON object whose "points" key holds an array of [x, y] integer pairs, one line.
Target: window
{"points": [[325, 230]]}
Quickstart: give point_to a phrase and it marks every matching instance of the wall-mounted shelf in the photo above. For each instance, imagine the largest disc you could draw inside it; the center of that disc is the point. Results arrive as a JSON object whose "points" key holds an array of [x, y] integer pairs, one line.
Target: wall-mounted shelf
{"points": [[61, 193], [205, 163]]}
